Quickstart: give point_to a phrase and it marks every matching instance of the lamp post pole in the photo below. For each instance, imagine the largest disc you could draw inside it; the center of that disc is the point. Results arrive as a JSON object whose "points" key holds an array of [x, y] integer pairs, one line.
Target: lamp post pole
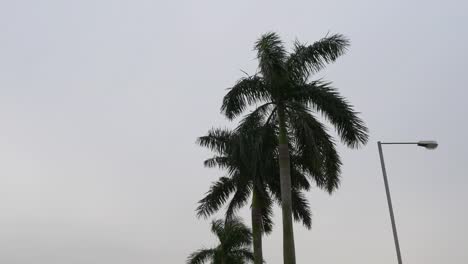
{"points": [[426, 144], [390, 206]]}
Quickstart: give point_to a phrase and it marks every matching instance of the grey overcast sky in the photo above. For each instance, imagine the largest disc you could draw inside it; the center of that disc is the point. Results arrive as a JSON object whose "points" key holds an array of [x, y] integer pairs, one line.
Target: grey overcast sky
{"points": [[101, 102]]}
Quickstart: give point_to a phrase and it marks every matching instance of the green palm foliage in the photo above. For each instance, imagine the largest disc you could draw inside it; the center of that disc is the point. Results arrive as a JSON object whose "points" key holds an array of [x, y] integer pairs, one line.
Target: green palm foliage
{"points": [[249, 156], [235, 240], [251, 162], [289, 99]]}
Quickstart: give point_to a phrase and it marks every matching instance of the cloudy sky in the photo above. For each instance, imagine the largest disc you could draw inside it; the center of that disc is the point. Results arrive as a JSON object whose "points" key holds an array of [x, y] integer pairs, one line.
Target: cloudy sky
{"points": [[101, 102]]}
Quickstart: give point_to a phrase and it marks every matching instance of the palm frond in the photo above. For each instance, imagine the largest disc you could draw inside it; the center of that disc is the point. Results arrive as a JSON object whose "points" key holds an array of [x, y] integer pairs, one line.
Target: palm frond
{"points": [[217, 161], [298, 178], [308, 59], [237, 234], [267, 214], [300, 208], [200, 256], [326, 99], [216, 140], [315, 150], [218, 228], [239, 198], [255, 119], [235, 239], [217, 195], [243, 255], [271, 55], [245, 92]]}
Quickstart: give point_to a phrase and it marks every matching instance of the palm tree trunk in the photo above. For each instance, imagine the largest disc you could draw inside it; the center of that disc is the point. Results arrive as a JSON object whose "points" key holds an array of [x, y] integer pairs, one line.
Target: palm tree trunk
{"points": [[289, 254], [257, 227], [222, 258]]}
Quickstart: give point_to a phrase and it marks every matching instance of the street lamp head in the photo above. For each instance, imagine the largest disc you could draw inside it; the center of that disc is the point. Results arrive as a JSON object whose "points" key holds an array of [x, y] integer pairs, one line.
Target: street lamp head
{"points": [[429, 144]]}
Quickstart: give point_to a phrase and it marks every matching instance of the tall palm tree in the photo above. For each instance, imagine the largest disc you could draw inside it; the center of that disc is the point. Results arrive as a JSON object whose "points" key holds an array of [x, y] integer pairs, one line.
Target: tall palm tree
{"points": [[250, 157], [291, 100], [235, 153], [234, 244]]}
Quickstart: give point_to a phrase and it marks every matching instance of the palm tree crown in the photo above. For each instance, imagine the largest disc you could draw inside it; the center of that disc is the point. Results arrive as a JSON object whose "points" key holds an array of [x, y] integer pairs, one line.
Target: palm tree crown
{"points": [[249, 156], [251, 161], [233, 248], [283, 82]]}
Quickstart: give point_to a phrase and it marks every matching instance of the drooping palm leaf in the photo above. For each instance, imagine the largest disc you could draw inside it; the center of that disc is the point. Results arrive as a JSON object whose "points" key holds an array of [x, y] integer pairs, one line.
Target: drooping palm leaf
{"points": [[308, 59]]}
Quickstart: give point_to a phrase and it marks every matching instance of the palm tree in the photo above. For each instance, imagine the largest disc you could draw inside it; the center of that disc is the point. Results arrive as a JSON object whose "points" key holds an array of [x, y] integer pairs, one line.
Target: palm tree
{"points": [[234, 244], [291, 100], [234, 152], [250, 157]]}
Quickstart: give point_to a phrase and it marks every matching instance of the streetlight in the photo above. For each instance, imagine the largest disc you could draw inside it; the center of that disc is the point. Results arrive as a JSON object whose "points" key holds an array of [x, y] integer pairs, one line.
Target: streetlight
{"points": [[429, 144]]}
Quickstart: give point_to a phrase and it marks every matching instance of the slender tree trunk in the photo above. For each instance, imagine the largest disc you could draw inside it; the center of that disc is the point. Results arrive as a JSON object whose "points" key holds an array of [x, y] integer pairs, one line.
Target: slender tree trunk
{"points": [[289, 254], [257, 227], [223, 260]]}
